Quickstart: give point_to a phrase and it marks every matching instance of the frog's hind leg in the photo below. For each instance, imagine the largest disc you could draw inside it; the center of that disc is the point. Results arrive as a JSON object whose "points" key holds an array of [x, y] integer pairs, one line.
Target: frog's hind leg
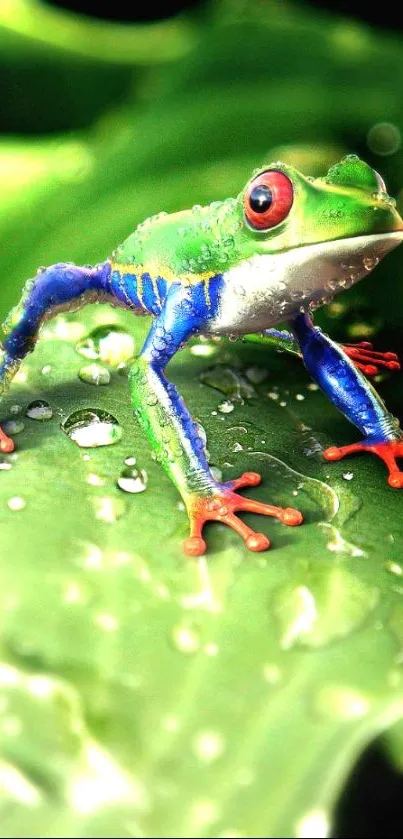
{"points": [[346, 387], [61, 287]]}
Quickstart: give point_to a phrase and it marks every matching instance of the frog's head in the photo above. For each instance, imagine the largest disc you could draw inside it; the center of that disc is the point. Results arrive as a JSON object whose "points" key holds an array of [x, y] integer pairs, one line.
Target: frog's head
{"points": [[325, 233]]}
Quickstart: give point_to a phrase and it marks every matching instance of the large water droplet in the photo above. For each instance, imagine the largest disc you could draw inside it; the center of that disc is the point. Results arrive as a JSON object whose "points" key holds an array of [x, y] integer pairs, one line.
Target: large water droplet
{"points": [[329, 603], [39, 410], [132, 480], [94, 374], [110, 344], [91, 427]]}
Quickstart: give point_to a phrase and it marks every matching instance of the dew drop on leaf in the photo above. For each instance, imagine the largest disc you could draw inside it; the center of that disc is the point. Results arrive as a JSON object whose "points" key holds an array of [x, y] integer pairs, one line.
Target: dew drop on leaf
{"points": [[132, 480], [39, 410], [110, 344], [92, 427], [108, 509], [13, 426], [94, 374]]}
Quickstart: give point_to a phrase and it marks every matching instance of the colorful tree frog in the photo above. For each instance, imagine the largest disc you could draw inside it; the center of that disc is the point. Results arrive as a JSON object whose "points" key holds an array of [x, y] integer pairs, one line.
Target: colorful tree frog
{"points": [[239, 267]]}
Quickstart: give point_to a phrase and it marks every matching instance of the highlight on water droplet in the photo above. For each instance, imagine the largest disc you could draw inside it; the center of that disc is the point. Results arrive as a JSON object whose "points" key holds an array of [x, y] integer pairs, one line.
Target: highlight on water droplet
{"points": [[132, 480], [226, 407], [341, 702], [16, 503], [109, 343], [92, 427], [208, 745], [39, 410], [185, 638], [94, 374], [314, 824]]}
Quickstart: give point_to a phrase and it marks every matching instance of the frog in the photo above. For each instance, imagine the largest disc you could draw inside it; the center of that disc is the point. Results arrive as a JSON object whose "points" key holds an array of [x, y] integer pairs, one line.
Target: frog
{"points": [[253, 267]]}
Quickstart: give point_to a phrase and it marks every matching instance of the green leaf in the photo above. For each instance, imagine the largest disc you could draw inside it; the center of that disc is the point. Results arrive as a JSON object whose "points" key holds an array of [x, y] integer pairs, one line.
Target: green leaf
{"points": [[225, 696]]}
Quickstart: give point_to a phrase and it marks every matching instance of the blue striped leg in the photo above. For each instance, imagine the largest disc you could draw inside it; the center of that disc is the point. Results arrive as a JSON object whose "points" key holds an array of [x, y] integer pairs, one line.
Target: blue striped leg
{"points": [[61, 287], [349, 391]]}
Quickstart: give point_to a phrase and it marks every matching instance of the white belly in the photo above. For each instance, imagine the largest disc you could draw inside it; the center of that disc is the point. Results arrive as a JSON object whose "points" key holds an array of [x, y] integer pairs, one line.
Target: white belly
{"points": [[272, 288]]}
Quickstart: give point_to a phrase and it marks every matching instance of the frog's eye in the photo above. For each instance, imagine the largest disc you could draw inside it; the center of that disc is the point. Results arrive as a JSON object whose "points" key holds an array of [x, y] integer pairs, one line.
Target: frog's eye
{"points": [[268, 199]]}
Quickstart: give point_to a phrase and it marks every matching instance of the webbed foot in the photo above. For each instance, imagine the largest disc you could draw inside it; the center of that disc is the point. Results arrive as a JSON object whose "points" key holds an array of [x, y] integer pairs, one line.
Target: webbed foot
{"points": [[222, 504], [388, 451], [368, 360], [6, 443]]}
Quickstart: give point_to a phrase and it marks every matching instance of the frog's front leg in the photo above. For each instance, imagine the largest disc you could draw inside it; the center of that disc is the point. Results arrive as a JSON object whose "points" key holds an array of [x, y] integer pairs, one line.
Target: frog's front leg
{"points": [[347, 388], [175, 438], [59, 287]]}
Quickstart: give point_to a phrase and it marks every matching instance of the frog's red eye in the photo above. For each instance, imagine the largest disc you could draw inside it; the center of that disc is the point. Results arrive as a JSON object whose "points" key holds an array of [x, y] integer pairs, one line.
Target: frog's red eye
{"points": [[268, 199]]}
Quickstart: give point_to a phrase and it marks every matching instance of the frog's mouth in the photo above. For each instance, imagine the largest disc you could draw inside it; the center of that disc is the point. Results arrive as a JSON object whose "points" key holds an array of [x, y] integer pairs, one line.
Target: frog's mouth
{"points": [[313, 274]]}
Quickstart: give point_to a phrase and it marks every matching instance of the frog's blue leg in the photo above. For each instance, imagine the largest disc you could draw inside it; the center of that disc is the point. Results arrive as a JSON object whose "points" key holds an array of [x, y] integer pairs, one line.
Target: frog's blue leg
{"points": [[175, 438], [347, 388], [60, 287], [364, 357]]}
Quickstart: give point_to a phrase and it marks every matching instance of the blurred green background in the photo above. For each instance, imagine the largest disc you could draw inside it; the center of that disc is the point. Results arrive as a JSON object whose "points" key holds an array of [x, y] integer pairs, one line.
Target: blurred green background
{"points": [[104, 122]]}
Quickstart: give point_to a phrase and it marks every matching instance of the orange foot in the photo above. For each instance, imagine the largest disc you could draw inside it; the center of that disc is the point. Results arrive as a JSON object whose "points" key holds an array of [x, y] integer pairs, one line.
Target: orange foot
{"points": [[369, 361], [222, 505], [6, 443], [388, 451]]}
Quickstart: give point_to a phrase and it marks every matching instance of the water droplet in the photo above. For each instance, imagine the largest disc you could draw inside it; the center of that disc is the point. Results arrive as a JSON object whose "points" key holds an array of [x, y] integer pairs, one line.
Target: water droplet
{"points": [[384, 138], [109, 509], [133, 480], [203, 350], [13, 427], [130, 461], [329, 604], [299, 397], [394, 568], [314, 824], [39, 410], [91, 427], [228, 381], [46, 369], [237, 447], [340, 702], [185, 638], [94, 374], [272, 394], [109, 343], [15, 409], [312, 386], [16, 503], [5, 465], [208, 746], [348, 476], [225, 407]]}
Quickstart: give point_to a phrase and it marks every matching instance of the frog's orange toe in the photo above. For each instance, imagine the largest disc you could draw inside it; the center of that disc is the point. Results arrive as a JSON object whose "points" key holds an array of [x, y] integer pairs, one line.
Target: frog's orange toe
{"points": [[387, 451], [222, 504], [194, 546], [6, 443]]}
